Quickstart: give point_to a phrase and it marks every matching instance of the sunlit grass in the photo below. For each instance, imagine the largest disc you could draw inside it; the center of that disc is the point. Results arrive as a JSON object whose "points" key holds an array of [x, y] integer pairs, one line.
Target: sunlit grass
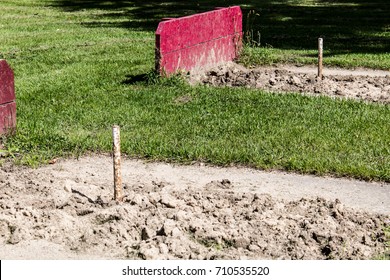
{"points": [[78, 72]]}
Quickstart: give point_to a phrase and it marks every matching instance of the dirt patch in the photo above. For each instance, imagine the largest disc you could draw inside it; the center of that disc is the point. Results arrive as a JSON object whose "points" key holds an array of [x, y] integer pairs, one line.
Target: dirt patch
{"points": [[368, 85], [66, 210]]}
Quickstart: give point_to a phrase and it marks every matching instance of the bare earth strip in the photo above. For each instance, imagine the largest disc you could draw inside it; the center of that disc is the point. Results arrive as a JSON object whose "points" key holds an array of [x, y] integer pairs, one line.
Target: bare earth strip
{"points": [[65, 211], [362, 84], [336, 71]]}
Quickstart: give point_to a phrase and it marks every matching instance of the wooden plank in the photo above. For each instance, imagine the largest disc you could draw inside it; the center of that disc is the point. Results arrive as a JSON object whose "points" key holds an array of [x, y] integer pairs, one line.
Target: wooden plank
{"points": [[198, 56], [7, 86], [7, 99], [7, 118], [198, 40]]}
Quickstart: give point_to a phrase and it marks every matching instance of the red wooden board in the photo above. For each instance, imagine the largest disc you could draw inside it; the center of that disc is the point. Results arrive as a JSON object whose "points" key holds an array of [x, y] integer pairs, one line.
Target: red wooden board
{"points": [[7, 117], [198, 40], [7, 98], [7, 87]]}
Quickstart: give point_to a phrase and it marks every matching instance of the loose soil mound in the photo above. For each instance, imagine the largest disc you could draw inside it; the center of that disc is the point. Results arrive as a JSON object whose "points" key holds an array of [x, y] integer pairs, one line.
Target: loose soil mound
{"points": [[345, 84], [161, 221]]}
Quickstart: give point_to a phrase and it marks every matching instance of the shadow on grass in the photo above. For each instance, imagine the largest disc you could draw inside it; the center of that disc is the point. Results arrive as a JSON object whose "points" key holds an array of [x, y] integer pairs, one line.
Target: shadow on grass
{"points": [[136, 79], [347, 26]]}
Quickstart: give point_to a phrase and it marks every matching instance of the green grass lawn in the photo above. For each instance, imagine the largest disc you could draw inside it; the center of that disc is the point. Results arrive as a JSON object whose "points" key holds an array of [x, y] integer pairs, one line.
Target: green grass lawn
{"points": [[77, 63]]}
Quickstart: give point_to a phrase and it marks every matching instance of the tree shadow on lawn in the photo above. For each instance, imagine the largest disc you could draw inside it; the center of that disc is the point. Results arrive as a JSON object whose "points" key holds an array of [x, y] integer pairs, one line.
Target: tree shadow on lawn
{"points": [[355, 26], [136, 79]]}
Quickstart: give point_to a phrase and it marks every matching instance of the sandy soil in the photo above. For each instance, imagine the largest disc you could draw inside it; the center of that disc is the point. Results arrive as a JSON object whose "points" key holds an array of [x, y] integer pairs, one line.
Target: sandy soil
{"points": [[65, 211], [363, 84]]}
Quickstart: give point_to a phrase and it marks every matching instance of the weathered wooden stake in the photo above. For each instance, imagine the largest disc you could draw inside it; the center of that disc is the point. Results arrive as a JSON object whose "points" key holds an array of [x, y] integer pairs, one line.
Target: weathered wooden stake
{"points": [[320, 53], [118, 193]]}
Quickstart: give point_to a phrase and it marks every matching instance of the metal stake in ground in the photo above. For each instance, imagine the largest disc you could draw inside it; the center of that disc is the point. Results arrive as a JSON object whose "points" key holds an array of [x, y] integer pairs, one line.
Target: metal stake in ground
{"points": [[118, 193], [320, 52]]}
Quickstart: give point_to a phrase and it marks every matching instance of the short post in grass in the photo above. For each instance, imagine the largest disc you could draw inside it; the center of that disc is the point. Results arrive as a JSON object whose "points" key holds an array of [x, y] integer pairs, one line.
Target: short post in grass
{"points": [[118, 193], [320, 53]]}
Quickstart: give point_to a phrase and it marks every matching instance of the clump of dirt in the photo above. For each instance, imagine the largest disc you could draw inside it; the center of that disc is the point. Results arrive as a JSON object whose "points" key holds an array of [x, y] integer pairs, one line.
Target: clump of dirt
{"points": [[160, 221], [362, 85]]}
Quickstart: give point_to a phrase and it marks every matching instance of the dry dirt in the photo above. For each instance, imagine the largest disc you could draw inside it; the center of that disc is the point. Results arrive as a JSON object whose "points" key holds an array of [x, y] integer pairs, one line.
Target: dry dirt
{"points": [[65, 211], [363, 84]]}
